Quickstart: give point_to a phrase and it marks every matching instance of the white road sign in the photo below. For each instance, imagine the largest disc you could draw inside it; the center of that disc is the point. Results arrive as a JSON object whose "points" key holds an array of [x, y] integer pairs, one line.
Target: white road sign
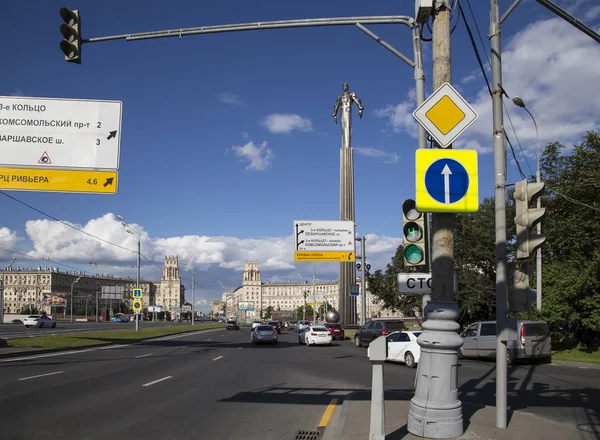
{"points": [[60, 133], [323, 236], [416, 283]]}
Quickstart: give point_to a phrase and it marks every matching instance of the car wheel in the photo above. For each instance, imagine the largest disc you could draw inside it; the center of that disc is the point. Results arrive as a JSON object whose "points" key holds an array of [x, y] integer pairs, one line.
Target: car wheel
{"points": [[26, 326], [299, 341], [409, 360], [274, 342], [41, 324], [329, 345], [357, 341], [54, 325], [509, 357]]}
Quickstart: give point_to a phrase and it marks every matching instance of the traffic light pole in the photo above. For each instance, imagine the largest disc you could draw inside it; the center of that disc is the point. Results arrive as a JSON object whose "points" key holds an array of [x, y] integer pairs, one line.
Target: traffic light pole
{"points": [[500, 211], [435, 411]]}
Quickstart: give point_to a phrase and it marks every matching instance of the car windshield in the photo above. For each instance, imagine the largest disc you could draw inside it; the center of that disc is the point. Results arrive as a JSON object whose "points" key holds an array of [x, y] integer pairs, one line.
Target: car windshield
{"points": [[336, 326], [319, 329], [264, 328], [536, 329]]}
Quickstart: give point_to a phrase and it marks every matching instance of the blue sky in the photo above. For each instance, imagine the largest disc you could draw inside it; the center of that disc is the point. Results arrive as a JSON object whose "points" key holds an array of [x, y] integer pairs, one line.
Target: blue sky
{"points": [[227, 138]]}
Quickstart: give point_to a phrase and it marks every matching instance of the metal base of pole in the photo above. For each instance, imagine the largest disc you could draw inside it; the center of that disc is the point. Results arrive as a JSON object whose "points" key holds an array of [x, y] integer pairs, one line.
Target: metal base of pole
{"points": [[435, 411]]}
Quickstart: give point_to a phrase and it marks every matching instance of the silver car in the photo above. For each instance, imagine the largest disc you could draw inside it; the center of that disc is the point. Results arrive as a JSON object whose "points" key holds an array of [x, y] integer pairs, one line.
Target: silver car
{"points": [[263, 333], [533, 341]]}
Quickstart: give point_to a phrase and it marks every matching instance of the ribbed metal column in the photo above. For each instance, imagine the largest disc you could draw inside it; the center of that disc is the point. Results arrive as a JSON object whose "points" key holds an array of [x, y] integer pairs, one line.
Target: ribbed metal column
{"points": [[347, 270]]}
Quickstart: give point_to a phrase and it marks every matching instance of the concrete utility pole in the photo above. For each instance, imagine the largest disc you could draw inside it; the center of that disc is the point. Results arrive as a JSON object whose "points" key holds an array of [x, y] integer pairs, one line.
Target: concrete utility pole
{"points": [[500, 209], [363, 281], [435, 410]]}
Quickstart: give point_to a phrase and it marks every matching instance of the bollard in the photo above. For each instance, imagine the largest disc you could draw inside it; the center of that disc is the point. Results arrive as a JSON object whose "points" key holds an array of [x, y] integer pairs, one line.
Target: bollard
{"points": [[378, 351]]}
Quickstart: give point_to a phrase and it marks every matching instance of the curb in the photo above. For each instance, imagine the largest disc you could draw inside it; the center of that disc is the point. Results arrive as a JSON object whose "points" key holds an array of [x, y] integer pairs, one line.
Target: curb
{"points": [[575, 364], [83, 347]]}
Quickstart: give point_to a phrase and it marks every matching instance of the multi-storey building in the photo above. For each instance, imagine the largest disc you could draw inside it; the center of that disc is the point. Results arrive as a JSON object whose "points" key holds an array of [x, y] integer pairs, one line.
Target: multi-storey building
{"points": [[49, 289], [253, 297]]}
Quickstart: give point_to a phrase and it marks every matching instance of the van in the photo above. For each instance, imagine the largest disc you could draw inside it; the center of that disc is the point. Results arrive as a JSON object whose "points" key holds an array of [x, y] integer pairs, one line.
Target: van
{"points": [[533, 341]]}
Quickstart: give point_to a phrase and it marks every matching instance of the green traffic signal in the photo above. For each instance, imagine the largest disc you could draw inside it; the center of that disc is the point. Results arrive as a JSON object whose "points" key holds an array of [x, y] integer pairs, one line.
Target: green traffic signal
{"points": [[413, 254]]}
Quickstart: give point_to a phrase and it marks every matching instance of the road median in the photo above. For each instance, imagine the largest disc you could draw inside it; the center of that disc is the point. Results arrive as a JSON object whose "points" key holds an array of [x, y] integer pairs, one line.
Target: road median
{"points": [[45, 344]]}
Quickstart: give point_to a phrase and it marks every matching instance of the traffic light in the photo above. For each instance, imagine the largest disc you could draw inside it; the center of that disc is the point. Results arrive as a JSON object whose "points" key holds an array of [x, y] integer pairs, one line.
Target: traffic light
{"points": [[414, 230], [520, 295], [71, 31], [527, 218]]}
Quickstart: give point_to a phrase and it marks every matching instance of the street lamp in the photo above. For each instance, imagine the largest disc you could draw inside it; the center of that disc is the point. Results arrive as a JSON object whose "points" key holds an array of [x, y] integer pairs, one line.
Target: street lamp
{"points": [[131, 230], [2, 296], [72, 286], [519, 103], [188, 266]]}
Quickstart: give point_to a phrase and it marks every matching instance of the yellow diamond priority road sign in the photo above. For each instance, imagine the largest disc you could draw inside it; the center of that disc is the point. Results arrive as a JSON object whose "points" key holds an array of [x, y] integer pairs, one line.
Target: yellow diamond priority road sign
{"points": [[445, 115]]}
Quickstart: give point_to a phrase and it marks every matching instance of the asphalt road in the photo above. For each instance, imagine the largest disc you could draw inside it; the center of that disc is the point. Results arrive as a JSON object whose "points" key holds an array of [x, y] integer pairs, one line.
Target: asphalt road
{"points": [[216, 384], [12, 331]]}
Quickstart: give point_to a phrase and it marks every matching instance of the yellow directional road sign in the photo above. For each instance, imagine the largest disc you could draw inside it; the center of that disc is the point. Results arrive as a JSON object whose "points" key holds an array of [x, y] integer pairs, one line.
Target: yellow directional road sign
{"points": [[137, 305], [323, 257], [447, 180], [75, 181], [445, 115]]}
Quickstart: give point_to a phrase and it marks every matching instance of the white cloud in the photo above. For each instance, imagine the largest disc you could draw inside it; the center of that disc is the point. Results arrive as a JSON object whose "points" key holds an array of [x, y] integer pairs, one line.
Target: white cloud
{"points": [[259, 157], [231, 98], [53, 239], [378, 153], [551, 65], [8, 240], [286, 123], [400, 115]]}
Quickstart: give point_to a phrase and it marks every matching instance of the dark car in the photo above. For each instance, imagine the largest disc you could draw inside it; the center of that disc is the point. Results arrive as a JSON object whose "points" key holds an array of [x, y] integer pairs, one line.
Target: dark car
{"points": [[232, 325], [374, 329], [276, 325], [335, 330]]}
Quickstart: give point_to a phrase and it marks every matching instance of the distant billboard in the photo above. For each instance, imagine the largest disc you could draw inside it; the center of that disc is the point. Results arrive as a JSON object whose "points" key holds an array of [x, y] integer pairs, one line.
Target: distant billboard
{"points": [[246, 305], [55, 299]]}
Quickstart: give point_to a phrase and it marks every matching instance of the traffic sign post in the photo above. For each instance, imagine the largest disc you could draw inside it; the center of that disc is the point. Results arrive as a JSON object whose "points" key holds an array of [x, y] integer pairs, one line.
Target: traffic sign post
{"points": [[445, 115], [324, 241], [447, 181]]}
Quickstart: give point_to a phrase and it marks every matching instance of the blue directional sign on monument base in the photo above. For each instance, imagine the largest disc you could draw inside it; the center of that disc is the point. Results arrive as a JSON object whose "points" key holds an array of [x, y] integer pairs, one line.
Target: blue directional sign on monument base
{"points": [[447, 180]]}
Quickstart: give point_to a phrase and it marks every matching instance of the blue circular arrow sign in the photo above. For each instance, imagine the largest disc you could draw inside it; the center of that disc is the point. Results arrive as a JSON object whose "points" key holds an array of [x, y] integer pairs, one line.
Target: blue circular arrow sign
{"points": [[446, 181]]}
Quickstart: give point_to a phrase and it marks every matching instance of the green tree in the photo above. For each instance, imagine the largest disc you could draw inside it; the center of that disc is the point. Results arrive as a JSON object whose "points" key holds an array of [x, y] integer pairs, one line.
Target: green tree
{"points": [[571, 254], [267, 312], [300, 312], [383, 287]]}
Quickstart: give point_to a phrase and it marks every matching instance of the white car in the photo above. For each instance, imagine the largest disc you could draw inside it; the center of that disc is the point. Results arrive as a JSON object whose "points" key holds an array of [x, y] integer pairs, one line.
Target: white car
{"points": [[302, 326], [39, 321], [403, 347], [314, 335], [256, 324]]}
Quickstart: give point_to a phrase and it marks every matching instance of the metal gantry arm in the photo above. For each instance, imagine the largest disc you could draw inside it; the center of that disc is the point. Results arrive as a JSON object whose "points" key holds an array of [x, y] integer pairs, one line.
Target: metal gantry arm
{"points": [[258, 25]]}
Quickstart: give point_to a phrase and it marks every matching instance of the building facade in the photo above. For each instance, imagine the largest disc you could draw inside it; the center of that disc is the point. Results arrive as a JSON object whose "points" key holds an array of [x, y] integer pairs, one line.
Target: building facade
{"points": [[253, 297], [48, 289]]}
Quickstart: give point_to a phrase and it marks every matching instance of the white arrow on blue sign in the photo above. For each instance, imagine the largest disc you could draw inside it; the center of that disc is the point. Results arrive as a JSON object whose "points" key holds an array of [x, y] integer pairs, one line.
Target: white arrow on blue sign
{"points": [[447, 181]]}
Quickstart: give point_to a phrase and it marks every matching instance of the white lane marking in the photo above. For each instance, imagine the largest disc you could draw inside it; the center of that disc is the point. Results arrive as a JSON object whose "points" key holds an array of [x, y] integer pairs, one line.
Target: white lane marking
{"points": [[217, 358], [109, 347], [38, 356], [41, 375], [156, 381], [239, 348], [183, 335], [209, 339], [143, 355]]}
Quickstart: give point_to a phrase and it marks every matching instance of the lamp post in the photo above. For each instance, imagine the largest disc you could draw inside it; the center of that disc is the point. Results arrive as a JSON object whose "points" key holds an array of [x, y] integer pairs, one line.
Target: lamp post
{"points": [[188, 266], [131, 230], [2, 296], [72, 286], [519, 103]]}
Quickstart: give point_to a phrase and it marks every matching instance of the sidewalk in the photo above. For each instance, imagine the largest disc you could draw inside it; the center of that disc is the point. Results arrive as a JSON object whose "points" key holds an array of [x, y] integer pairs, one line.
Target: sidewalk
{"points": [[352, 422]]}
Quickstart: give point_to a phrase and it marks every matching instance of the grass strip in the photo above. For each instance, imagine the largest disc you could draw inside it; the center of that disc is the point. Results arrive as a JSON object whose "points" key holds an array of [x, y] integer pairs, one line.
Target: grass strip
{"points": [[103, 337], [577, 354]]}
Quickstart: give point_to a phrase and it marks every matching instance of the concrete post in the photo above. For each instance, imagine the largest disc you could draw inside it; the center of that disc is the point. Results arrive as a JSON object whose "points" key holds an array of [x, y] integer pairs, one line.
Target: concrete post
{"points": [[377, 426]]}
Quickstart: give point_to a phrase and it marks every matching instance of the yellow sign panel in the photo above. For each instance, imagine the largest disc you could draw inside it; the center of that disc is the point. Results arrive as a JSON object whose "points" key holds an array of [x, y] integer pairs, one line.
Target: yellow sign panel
{"points": [[445, 115], [447, 180], [323, 257], [75, 181], [137, 305]]}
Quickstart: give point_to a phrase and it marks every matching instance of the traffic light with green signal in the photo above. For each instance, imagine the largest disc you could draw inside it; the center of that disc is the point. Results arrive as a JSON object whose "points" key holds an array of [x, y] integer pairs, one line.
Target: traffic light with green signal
{"points": [[414, 231], [525, 194], [520, 295], [71, 32]]}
